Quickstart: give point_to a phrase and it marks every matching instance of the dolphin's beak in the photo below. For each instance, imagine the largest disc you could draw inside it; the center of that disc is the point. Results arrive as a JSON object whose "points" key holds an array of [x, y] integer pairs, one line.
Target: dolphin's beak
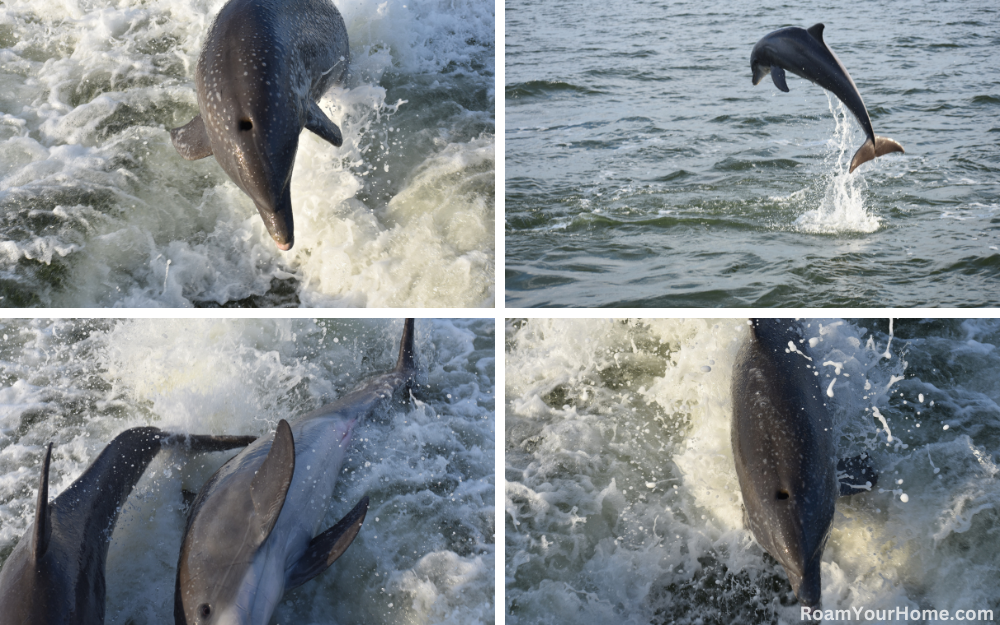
{"points": [[278, 221]]}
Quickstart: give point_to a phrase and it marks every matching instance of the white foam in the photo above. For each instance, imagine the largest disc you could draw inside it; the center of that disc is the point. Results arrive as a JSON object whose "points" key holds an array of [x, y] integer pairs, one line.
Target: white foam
{"points": [[427, 467], [401, 215], [592, 422]]}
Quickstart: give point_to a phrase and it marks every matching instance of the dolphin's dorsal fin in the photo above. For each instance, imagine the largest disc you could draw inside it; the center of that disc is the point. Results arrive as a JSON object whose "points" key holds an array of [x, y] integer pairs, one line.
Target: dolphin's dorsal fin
{"points": [[319, 123], [328, 546], [406, 360], [270, 484], [43, 525], [778, 76], [817, 32]]}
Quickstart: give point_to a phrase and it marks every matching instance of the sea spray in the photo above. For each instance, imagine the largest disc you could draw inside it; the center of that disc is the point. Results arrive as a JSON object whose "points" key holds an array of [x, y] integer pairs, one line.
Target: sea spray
{"points": [[425, 553], [98, 205], [622, 497]]}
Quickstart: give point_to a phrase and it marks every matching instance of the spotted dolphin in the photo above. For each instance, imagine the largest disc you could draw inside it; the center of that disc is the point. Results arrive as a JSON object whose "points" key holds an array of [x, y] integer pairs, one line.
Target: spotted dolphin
{"points": [[55, 575], [783, 445], [804, 53], [252, 533], [264, 66]]}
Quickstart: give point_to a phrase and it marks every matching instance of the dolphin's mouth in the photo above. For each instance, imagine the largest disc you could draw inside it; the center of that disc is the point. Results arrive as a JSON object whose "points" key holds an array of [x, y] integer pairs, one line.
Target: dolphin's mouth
{"points": [[284, 247]]}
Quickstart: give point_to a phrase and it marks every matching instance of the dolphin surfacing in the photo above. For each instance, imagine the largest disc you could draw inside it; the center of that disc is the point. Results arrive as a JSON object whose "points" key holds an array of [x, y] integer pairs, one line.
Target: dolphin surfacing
{"points": [[782, 438], [264, 66], [252, 532], [55, 575], [804, 53]]}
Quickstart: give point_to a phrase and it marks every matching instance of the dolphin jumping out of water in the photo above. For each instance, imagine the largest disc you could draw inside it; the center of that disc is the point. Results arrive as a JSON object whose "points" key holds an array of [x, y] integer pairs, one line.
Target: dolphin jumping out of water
{"points": [[805, 54], [55, 575], [782, 437], [264, 66], [252, 533]]}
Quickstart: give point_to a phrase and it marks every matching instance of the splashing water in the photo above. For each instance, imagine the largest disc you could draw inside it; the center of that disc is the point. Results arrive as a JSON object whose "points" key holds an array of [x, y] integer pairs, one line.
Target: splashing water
{"points": [[842, 208]]}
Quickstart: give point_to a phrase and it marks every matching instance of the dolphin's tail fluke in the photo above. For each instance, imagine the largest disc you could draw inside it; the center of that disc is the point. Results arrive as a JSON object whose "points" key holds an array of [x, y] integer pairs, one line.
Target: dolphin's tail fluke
{"points": [[407, 361], [869, 151]]}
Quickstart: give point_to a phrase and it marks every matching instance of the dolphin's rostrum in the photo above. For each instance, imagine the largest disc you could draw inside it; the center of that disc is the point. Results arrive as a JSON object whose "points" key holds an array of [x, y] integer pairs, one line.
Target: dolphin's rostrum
{"points": [[264, 66], [252, 533], [783, 445], [55, 575], [804, 53]]}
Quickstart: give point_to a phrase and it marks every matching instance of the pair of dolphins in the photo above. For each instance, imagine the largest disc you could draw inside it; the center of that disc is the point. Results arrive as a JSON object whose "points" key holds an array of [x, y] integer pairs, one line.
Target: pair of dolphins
{"points": [[783, 445], [251, 532]]}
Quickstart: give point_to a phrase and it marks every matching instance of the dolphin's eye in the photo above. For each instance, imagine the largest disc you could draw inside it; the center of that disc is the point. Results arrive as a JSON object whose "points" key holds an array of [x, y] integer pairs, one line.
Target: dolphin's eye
{"points": [[782, 494], [245, 124], [204, 610]]}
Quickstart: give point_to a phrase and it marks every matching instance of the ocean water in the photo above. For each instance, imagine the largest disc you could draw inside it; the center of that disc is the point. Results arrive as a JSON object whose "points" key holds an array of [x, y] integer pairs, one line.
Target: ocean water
{"points": [[100, 210], [622, 501], [643, 168], [425, 553]]}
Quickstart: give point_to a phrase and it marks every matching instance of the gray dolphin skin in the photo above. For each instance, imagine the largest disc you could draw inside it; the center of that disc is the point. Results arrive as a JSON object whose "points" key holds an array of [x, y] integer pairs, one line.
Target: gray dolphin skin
{"points": [[782, 437], [252, 532], [55, 575], [804, 53], [264, 66]]}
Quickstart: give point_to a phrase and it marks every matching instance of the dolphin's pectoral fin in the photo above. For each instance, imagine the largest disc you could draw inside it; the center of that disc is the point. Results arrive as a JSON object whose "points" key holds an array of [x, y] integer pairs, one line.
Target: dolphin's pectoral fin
{"points": [[816, 31], [270, 485], [319, 123], [856, 475], [191, 140], [328, 546], [43, 524], [746, 517], [778, 76], [869, 151]]}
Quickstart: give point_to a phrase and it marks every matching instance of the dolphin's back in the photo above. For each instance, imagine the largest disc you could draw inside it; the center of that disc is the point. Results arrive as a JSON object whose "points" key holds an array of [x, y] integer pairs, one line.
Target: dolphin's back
{"points": [[55, 575], [805, 54]]}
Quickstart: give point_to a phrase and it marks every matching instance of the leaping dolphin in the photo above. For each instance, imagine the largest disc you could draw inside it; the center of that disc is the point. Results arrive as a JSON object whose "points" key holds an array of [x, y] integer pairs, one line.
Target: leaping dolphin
{"points": [[264, 66], [252, 533], [805, 54], [55, 575], [782, 437]]}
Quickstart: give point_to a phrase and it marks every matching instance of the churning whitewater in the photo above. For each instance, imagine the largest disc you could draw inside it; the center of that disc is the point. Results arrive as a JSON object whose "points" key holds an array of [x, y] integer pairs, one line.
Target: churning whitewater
{"points": [[426, 464], [623, 502], [100, 210]]}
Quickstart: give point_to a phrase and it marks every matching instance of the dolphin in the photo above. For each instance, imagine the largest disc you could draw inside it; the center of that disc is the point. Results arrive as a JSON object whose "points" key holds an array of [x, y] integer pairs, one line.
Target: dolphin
{"points": [[55, 575], [264, 66], [252, 532], [804, 53], [782, 437]]}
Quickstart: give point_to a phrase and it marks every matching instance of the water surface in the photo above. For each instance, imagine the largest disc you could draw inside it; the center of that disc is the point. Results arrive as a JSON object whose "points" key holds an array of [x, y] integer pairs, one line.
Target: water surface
{"points": [[643, 168], [622, 501], [425, 553], [100, 210]]}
